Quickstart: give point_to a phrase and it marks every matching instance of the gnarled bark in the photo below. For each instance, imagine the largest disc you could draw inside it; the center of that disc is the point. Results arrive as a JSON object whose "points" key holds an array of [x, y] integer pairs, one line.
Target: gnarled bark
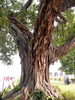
{"points": [[36, 50]]}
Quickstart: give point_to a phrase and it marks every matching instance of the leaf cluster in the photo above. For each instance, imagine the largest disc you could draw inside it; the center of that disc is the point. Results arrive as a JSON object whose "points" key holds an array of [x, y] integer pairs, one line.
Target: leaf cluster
{"points": [[7, 44], [64, 33]]}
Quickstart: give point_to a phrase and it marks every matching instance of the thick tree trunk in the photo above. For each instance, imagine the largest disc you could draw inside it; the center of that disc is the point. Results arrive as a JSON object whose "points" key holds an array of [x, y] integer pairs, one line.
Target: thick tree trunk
{"points": [[34, 65], [35, 73], [36, 50]]}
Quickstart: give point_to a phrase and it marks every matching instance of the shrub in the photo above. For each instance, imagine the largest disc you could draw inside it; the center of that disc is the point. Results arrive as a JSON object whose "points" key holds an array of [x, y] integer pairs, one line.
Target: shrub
{"points": [[16, 88], [1, 94], [39, 95], [5, 91], [49, 98]]}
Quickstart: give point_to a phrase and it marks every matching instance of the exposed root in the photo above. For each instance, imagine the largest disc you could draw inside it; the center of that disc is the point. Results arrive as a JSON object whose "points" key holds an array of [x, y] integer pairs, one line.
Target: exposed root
{"points": [[13, 93], [49, 90], [52, 90], [26, 90]]}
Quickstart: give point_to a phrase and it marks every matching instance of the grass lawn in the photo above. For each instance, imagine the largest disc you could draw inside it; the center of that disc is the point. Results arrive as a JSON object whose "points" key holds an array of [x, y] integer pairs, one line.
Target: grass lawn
{"points": [[68, 91]]}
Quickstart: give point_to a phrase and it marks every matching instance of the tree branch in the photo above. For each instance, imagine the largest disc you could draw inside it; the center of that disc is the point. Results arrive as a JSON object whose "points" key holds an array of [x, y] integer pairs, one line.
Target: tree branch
{"points": [[64, 49], [18, 33], [57, 5], [61, 19], [20, 26], [28, 3], [21, 39], [68, 4]]}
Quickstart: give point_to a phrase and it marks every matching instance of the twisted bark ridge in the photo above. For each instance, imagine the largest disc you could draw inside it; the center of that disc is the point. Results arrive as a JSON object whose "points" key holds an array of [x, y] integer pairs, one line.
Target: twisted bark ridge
{"points": [[36, 50]]}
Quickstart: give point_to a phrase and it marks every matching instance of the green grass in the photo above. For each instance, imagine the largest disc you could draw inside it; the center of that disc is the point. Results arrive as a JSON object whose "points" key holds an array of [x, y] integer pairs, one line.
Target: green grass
{"points": [[68, 91]]}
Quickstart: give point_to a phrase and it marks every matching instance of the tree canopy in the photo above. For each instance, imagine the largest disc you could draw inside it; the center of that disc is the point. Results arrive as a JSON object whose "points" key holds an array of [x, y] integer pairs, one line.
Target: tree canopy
{"points": [[68, 63], [63, 32], [7, 43]]}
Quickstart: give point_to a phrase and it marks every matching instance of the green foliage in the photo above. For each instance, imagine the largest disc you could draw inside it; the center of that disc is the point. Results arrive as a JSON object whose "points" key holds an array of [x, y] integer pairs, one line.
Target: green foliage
{"points": [[16, 88], [58, 99], [68, 95], [31, 14], [4, 92], [8, 47], [7, 43], [39, 95], [7, 90], [64, 33], [49, 98], [67, 91], [68, 62], [1, 94]]}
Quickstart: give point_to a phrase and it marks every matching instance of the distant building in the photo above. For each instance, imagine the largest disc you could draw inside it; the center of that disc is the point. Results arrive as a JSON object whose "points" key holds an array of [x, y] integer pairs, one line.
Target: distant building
{"points": [[56, 73]]}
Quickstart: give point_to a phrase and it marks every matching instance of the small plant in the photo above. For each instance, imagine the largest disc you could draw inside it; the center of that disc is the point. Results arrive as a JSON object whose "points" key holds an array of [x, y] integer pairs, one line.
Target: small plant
{"points": [[49, 98], [16, 88], [52, 98], [1, 94], [39, 95], [5, 91]]}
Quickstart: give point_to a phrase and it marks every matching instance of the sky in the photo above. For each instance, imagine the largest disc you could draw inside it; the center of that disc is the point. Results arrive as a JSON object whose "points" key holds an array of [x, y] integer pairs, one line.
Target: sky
{"points": [[54, 67]]}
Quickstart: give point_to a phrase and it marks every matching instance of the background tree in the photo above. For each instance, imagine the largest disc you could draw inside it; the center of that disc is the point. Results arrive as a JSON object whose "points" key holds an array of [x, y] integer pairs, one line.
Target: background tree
{"points": [[35, 46], [64, 32], [68, 63]]}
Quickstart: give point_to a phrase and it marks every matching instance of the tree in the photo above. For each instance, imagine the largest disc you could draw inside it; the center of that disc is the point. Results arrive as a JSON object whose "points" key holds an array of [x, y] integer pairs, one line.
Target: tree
{"points": [[7, 44], [35, 48], [68, 63], [64, 32]]}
